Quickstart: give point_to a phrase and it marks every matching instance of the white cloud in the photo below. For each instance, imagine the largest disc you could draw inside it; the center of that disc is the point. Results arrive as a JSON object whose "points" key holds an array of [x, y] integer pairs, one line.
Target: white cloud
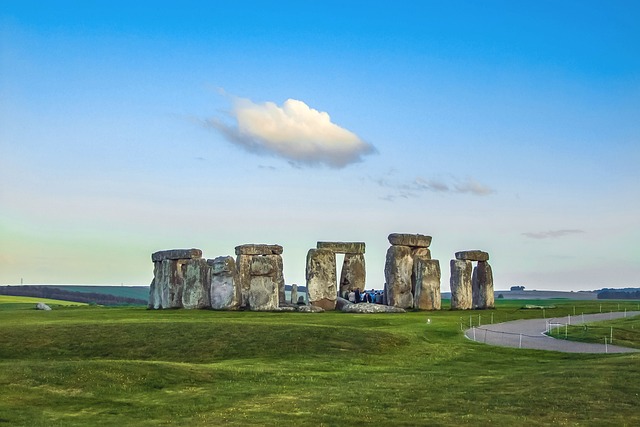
{"points": [[293, 131], [414, 188], [551, 234]]}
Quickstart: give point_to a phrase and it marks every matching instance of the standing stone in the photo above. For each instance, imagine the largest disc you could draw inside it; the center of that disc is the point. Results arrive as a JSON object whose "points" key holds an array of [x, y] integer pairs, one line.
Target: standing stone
{"points": [[321, 278], [224, 290], [263, 293], [168, 283], [282, 296], [482, 286], [461, 296], [197, 280], [243, 266], [397, 272], [427, 286], [294, 294], [353, 274]]}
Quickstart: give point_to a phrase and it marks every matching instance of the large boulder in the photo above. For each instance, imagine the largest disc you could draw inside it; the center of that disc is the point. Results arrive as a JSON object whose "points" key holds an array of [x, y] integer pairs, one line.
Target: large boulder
{"points": [[168, 284], [343, 247], [310, 309], [224, 290], [259, 249], [461, 295], [321, 278], [482, 286], [263, 294], [176, 254], [427, 283], [370, 308], [353, 274], [42, 306], [397, 272], [413, 240]]}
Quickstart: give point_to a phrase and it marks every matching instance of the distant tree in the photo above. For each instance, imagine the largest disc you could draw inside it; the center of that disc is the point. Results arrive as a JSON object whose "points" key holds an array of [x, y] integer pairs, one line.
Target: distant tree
{"points": [[500, 296], [517, 288]]}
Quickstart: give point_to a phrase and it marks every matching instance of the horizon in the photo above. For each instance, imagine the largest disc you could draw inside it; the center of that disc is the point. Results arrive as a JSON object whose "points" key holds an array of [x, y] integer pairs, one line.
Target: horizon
{"points": [[506, 127]]}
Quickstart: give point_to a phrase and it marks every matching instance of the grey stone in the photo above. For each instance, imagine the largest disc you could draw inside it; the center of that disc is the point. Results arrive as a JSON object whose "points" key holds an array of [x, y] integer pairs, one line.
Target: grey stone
{"points": [[421, 252], [370, 308], [197, 280], [353, 274], [321, 278], [282, 296], [398, 270], [224, 290], [341, 302], [168, 284], [42, 306], [286, 308], [263, 294], [343, 247], [474, 255], [482, 286], [413, 240], [259, 249], [176, 254], [310, 309], [294, 294], [243, 267], [461, 296], [427, 283], [265, 265]]}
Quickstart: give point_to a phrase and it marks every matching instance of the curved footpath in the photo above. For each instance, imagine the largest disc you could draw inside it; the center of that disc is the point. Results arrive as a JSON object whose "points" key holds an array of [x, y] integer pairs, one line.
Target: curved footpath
{"points": [[530, 334]]}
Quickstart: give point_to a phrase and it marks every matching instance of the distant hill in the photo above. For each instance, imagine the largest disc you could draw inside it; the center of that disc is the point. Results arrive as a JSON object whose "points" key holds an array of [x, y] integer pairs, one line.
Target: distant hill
{"points": [[103, 295]]}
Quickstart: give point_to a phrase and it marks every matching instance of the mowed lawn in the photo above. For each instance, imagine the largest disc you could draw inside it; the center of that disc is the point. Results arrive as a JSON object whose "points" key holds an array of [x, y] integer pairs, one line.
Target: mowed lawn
{"points": [[131, 366]]}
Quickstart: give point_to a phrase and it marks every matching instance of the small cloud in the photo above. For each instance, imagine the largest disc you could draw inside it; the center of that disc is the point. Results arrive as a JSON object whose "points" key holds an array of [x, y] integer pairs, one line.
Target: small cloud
{"points": [[271, 168], [552, 234], [431, 185], [473, 187], [293, 131], [420, 184]]}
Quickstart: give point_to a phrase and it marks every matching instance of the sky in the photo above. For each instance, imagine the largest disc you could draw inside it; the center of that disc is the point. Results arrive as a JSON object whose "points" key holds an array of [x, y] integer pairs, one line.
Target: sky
{"points": [[509, 127]]}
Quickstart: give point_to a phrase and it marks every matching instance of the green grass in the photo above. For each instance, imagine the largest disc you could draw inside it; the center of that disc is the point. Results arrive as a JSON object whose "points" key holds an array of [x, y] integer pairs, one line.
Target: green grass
{"points": [[131, 366], [625, 332], [10, 302]]}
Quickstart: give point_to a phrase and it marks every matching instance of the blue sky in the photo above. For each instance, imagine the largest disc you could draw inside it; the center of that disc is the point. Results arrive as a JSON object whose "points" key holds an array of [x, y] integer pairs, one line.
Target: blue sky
{"points": [[512, 127]]}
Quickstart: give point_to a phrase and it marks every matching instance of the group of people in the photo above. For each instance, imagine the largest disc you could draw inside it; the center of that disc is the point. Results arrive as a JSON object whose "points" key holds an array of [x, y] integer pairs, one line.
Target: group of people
{"points": [[357, 296]]}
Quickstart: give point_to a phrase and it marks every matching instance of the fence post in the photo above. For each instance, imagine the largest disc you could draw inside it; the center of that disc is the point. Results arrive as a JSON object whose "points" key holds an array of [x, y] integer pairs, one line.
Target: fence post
{"points": [[611, 339], [474, 333], [606, 350], [520, 345]]}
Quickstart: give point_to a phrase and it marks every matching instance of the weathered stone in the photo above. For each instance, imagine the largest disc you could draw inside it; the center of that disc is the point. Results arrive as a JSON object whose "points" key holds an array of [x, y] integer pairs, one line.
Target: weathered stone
{"points": [[286, 308], [472, 255], [282, 296], [176, 254], [294, 294], [369, 308], [321, 278], [310, 309], [341, 302], [482, 286], [397, 272], [353, 274], [168, 284], [461, 296], [413, 240], [263, 294], [243, 267], [224, 290], [427, 283], [421, 252], [265, 265], [197, 280], [343, 247], [259, 249], [42, 306]]}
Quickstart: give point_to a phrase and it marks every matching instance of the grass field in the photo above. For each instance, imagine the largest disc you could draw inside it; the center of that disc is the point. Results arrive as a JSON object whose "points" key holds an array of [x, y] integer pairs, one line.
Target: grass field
{"points": [[9, 302], [624, 332], [131, 366]]}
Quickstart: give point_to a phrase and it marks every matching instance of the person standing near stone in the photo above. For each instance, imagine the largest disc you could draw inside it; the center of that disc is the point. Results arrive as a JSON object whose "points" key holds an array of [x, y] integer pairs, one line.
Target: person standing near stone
{"points": [[358, 296]]}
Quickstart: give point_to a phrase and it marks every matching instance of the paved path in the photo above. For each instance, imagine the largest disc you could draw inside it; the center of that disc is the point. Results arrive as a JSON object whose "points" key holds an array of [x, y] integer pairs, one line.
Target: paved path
{"points": [[530, 334]]}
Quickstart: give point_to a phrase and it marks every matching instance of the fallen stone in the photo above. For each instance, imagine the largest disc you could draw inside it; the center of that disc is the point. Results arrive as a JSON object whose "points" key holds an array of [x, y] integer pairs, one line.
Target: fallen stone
{"points": [[321, 278], [224, 290], [286, 308], [176, 254], [413, 240], [197, 281], [42, 306], [343, 247], [310, 309], [472, 255], [427, 284], [398, 269], [353, 274], [370, 308], [482, 286], [341, 302], [460, 282], [259, 249]]}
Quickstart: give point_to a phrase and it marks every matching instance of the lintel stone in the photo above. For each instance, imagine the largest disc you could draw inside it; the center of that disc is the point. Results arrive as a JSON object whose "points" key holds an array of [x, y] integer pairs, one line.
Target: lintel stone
{"points": [[474, 255], [343, 247], [413, 240], [259, 249], [175, 254]]}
